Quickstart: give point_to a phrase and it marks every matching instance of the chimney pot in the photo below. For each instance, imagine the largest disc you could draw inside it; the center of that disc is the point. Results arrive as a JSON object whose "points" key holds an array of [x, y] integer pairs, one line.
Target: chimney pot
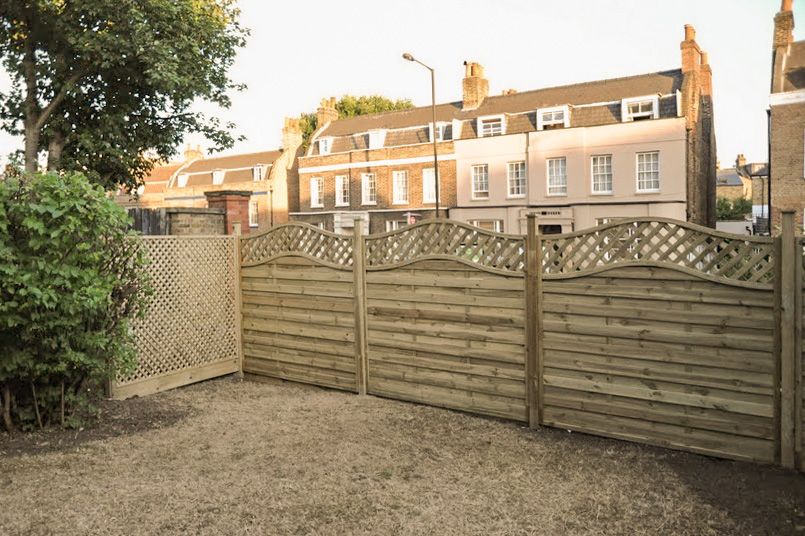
{"points": [[788, 5], [475, 86], [690, 33]]}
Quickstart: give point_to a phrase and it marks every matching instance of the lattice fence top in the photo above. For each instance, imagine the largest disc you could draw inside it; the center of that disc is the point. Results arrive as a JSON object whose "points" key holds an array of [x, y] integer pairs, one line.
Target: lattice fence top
{"points": [[191, 319], [443, 239], [300, 239], [663, 242]]}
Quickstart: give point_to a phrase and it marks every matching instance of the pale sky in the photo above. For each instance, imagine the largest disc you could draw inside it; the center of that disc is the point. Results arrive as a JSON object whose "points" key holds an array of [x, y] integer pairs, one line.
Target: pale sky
{"points": [[302, 52]]}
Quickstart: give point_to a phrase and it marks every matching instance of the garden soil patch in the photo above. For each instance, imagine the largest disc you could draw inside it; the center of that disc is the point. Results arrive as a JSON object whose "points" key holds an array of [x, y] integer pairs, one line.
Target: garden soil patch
{"points": [[233, 457]]}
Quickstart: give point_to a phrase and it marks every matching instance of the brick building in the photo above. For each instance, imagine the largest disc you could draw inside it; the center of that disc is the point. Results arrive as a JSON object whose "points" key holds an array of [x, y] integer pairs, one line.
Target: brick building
{"points": [[498, 154], [787, 118]]}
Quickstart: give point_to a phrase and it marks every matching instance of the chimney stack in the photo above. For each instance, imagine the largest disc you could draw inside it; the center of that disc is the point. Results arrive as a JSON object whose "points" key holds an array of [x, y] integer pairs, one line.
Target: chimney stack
{"points": [[475, 86], [191, 155], [291, 134], [784, 25], [740, 162], [691, 54], [326, 112]]}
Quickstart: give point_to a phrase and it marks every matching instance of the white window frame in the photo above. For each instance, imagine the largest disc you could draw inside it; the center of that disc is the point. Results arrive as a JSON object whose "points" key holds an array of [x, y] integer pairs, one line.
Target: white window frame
{"points": [[638, 172], [254, 213], [557, 189], [399, 187], [497, 225], [594, 173], [395, 225], [542, 123], [181, 180], [342, 187], [257, 172], [482, 121], [325, 144], [376, 138], [626, 116], [218, 176], [441, 130], [316, 192], [522, 182], [429, 186], [478, 193], [368, 195]]}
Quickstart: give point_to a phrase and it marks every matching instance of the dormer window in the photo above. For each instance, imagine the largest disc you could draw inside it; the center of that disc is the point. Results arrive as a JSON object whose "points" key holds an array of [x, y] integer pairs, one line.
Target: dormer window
{"points": [[549, 118], [376, 139], [218, 176], [640, 108], [181, 180], [491, 126], [442, 134], [324, 145], [257, 173]]}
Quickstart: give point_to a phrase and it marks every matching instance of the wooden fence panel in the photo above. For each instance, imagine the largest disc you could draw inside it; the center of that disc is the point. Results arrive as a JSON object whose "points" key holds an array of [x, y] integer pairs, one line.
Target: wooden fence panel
{"points": [[189, 330], [662, 357], [298, 322], [446, 334]]}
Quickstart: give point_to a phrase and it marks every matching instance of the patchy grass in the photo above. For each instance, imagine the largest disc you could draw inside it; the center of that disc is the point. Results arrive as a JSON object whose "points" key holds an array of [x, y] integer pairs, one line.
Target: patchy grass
{"points": [[230, 457]]}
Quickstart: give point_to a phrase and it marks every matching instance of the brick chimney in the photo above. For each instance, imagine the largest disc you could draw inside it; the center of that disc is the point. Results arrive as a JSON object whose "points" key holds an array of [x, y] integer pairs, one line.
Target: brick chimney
{"points": [[326, 112], [707, 75], [740, 162], [291, 134], [784, 25], [475, 86], [691, 54], [236, 205], [191, 155]]}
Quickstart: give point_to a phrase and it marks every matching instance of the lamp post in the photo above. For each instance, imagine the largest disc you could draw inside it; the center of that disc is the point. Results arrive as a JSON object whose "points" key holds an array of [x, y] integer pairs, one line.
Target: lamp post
{"points": [[409, 57]]}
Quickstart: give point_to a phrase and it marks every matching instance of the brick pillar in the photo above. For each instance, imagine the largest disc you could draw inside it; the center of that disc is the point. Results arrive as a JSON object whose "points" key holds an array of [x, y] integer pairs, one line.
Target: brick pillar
{"points": [[236, 205]]}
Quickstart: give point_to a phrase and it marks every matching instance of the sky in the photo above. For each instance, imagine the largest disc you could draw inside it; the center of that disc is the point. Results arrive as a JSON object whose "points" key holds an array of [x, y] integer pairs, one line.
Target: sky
{"points": [[301, 52]]}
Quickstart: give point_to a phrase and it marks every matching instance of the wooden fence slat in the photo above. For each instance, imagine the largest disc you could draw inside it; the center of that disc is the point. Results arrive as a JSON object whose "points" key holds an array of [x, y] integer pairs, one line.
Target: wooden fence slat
{"points": [[788, 286]]}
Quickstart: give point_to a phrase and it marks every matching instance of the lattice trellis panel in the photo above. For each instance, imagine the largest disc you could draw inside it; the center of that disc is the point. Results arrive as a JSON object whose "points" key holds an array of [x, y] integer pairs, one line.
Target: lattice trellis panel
{"points": [[660, 241], [447, 239], [298, 239], [191, 319]]}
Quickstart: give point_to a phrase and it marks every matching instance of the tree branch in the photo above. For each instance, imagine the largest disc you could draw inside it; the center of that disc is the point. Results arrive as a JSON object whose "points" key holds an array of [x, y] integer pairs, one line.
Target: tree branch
{"points": [[56, 100]]}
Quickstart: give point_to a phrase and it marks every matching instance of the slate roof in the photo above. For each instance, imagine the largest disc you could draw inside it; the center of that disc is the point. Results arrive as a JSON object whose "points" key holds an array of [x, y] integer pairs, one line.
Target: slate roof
{"points": [[408, 127], [237, 168], [728, 177]]}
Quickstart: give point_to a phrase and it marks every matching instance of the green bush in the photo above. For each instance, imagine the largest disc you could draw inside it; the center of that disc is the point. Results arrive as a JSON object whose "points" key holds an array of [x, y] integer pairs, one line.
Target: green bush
{"points": [[732, 209], [71, 278]]}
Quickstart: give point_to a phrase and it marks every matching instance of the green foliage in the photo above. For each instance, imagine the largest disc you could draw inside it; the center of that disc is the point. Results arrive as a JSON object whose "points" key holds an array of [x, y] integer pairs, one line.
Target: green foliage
{"points": [[71, 278], [732, 209], [101, 82], [350, 106]]}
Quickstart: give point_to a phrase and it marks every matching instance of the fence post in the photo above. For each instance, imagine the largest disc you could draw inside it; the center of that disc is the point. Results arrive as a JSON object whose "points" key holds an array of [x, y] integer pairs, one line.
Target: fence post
{"points": [[359, 273], [787, 339], [238, 298], [799, 459], [533, 297]]}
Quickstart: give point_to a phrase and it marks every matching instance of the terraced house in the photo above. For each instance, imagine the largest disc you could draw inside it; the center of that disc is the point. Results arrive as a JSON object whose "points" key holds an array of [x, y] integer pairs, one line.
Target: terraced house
{"points": [[577, 155]]}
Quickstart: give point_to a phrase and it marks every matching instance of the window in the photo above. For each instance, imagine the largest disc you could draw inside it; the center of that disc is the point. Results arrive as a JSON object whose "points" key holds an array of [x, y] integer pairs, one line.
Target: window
{"points": [[368, 189], [182, 179], [557, 176], [394, 225], [317, 192], [548, 118], [490, 126], [516, 175], [489, 225], [218, 176], [254, 213], [376, 138], [602, 174], [400, 187], [639, 108], [648, 172], [342, 190], [429, 186], [324, 145], [257, 173], [480, 182], [441, 132]]}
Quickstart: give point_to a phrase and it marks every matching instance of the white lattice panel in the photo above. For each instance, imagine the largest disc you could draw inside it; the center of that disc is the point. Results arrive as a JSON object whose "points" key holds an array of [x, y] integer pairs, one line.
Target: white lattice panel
{"points": [[191, 319]]}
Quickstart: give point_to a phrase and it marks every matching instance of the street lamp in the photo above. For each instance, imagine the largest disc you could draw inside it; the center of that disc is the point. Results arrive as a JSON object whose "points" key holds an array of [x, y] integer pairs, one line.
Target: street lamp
{"points": [[409, 57]]}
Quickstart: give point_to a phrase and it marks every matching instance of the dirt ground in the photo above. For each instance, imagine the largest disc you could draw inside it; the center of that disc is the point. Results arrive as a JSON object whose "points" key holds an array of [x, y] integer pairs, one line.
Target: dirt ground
{"points": [[233, 457]]}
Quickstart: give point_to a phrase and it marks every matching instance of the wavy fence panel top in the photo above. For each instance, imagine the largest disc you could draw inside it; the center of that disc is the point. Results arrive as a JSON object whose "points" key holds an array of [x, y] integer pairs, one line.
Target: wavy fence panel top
{"points": [[660, 242], [450, 240], [300, 239]]}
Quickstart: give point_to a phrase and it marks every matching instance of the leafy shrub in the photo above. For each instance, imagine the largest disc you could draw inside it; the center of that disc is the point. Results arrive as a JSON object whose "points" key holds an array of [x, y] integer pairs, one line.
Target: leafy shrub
{"points": [[732, 209], [71, 277]]}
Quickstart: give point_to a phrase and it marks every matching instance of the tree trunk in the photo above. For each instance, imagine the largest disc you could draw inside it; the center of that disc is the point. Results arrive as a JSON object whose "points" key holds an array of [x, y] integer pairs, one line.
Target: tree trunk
{"points": [[55, 148], [31, 106], [9, 424]]}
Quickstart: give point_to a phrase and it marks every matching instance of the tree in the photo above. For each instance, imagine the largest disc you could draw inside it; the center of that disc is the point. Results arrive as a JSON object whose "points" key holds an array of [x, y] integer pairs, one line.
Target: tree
{"points": [[98, 83], [71, 278], [350, 106], [732, 209]]}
